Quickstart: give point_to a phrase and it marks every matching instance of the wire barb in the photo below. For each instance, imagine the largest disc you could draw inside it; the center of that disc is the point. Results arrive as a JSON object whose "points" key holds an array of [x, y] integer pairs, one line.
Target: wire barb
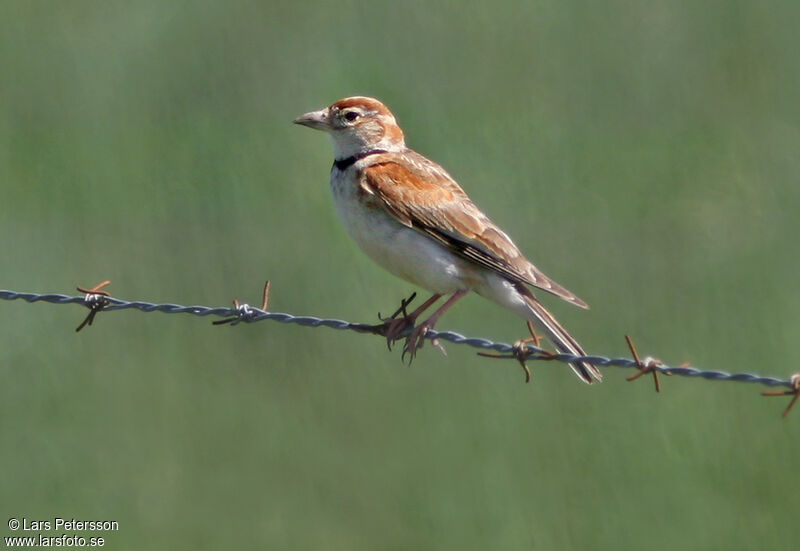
{"points": [[95, 299], [244, 312], [794, 392], [649, 365], [522, 351]]}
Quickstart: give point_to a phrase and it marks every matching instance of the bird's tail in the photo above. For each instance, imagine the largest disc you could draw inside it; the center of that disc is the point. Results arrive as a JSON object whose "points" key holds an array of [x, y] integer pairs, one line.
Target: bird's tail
{"points": [[563, 341]]}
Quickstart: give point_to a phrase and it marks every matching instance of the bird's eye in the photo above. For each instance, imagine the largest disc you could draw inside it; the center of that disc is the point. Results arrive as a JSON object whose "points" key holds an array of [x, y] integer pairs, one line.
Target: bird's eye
{"points": [[350, 116]]}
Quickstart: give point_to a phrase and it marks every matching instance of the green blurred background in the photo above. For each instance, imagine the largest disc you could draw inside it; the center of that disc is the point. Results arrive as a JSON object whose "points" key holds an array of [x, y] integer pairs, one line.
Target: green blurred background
{"points": [[645, 154]]}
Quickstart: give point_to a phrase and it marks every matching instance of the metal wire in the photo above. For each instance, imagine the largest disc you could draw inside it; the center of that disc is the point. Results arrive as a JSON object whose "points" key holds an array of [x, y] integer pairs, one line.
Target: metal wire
{"points": [[249, 314]]}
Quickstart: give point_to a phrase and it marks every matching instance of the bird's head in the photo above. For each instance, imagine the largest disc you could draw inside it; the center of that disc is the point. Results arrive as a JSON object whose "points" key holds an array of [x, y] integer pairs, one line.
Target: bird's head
{"points": [[357, 125]]}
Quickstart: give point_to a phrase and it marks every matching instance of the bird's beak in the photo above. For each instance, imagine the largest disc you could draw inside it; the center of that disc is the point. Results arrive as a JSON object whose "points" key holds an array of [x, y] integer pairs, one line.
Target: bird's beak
{"points": [[315, 119]]}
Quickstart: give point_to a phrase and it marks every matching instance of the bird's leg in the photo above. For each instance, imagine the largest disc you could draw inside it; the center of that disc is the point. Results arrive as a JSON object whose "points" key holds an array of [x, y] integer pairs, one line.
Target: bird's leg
{"points": [[417, 337], [534, 338], [394, 326]]}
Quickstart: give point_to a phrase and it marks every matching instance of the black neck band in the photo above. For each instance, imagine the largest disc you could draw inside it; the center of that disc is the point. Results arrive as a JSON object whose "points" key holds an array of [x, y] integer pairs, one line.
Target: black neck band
{"points": [[347, 162]]}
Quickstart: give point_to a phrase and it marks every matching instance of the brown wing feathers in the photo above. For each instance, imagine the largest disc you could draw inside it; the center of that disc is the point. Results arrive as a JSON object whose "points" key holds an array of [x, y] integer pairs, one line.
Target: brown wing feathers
{"points": [[432, 202]]}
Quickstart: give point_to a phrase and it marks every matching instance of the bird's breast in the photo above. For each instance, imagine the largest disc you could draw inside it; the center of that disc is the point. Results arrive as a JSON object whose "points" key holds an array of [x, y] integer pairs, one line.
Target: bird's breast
{"points": [[401, 250]]}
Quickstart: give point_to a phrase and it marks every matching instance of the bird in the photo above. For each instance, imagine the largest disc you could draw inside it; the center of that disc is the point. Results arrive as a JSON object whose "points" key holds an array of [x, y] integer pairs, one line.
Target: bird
{"points": [[412, 218]]}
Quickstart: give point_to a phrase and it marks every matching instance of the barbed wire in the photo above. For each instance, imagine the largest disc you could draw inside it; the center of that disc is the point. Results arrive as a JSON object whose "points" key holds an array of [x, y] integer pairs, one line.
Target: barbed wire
{"points": [[98, 300]]}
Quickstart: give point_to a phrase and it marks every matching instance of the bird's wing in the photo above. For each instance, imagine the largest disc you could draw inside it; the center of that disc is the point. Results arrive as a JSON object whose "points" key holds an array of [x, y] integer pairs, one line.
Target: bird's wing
{"points": [[421, 195]]}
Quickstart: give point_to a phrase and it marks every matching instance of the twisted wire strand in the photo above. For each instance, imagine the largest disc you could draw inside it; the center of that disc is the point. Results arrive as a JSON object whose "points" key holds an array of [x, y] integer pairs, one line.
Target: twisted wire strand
{"points": [[249, 314]]}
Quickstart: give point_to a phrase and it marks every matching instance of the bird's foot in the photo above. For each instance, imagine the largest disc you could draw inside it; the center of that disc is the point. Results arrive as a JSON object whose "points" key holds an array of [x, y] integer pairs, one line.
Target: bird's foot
{"points": [[534, 338], [394, 326], [416, 339]]}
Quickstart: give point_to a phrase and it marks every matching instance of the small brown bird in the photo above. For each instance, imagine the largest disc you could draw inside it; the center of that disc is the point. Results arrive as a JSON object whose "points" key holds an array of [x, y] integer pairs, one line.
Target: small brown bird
{"points": [[410, 216]]}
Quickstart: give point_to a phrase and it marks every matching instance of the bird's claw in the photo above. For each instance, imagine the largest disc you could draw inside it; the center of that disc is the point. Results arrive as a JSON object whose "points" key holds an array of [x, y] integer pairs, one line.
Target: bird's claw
{"points": [[416, 340], [394, 329], [398, 323]]}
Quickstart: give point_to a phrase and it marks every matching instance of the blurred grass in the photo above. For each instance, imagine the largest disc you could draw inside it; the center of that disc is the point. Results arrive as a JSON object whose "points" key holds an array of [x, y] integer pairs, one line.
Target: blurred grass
{"points": [[646, 155]]}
